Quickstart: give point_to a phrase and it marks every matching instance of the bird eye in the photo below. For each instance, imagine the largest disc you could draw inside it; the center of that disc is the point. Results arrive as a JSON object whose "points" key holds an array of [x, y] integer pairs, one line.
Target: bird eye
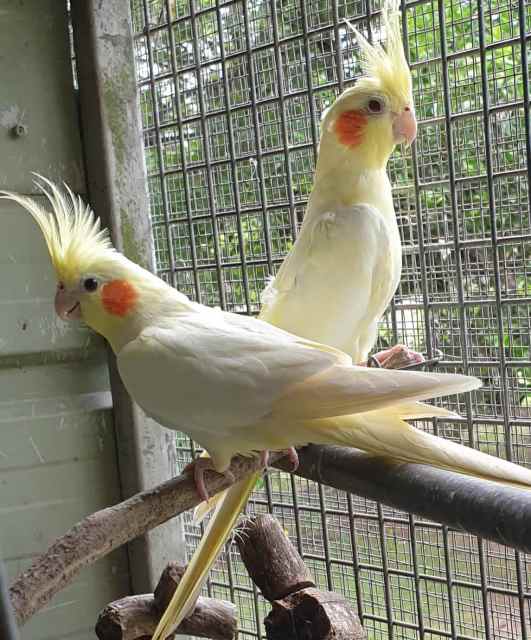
{"points": [[375, 105], [90, 284]]}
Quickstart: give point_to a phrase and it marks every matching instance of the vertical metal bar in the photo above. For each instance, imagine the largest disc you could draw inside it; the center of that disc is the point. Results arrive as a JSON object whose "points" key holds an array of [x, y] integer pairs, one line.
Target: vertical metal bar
{"points": [[257, 618], [523, 605], [484, 589], [385, 571], [493, 230], [160, 156], [256, 125], [281, 101], [228, 555], [494, 238], [449, 582], [315, 132], [187, 197], [357, 581], [414, 556], [525, 82], [326, 545], [202, 121], [232, 160], [455, 217], [418, 214], [297, 515], [8, 627], [337, 36]]}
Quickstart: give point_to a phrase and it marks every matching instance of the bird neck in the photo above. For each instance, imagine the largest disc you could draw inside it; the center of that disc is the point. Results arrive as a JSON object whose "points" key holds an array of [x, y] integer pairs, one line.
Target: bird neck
{"points": [[351, 181]]}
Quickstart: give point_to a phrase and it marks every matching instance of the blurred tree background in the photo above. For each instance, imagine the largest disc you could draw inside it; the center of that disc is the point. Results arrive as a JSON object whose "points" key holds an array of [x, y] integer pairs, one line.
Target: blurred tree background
{"points": [[231, 96]]}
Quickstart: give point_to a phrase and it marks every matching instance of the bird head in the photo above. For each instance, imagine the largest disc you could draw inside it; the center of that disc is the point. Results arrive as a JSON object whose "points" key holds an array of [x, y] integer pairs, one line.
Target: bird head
{"points": [[95, 283], [369, 119]]}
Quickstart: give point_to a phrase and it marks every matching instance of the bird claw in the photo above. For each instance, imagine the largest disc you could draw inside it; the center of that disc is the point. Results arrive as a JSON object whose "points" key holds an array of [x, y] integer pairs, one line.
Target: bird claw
{"points": [[291, 454], [397, 357], [293, 457], [264, 458], [198, 467]]}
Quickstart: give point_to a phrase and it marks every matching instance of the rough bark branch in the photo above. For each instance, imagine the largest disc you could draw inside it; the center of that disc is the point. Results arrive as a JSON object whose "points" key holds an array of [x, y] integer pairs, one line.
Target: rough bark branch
{"points": [[299, 609], [136, 617], [100, 533], [490, 510], [271, 560]]}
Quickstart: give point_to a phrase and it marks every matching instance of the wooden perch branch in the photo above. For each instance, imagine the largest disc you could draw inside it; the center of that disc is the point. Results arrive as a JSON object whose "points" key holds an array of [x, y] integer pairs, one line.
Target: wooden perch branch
{"points": [[490, 510], [299, 609], [100, 533], [136, 617]]}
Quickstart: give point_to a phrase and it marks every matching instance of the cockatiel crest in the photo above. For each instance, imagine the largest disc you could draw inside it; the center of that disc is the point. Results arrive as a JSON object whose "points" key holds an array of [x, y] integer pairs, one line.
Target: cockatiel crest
{"points": [[73, 234], [378, 112], [386, 68], [95, 282]]}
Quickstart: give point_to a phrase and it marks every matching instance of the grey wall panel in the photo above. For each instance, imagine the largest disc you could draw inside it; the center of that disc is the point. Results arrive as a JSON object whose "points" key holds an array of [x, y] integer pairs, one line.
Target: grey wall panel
{"points": [[36, 91], [58, 459]]}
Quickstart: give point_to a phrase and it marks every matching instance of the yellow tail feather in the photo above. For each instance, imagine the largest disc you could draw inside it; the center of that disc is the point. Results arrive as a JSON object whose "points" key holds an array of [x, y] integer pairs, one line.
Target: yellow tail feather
{"points": [[380, 432], [385, 433], [216, 534]]}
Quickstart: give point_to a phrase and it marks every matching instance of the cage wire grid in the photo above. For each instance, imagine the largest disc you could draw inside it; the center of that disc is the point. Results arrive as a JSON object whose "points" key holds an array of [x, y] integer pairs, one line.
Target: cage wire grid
{"points": [[231, 95]]}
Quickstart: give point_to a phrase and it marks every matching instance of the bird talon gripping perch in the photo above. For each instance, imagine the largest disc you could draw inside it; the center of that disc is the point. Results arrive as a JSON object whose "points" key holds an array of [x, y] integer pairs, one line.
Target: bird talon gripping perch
{"points": [[197, 468]]}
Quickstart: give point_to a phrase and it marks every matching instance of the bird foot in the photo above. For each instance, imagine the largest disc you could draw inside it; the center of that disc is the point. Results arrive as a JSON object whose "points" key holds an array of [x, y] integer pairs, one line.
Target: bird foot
{"points": [[293, 457], [291, 454], [198, 468], [396, 357], [264, 458]]}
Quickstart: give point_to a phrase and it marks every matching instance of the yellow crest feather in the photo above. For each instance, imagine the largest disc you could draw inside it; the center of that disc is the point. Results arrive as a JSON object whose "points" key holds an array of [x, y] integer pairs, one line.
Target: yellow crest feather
{"points": [[386, 65], [73, 234]]}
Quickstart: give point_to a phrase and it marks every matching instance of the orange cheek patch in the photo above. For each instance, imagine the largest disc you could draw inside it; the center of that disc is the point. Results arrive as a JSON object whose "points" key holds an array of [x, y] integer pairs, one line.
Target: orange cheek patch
{"points": [[349, 127], [118, 297]]}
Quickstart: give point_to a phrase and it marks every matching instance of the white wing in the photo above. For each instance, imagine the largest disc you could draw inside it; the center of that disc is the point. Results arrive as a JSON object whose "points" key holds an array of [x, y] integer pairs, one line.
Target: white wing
{"points": [[338, 279], [216, 371]]}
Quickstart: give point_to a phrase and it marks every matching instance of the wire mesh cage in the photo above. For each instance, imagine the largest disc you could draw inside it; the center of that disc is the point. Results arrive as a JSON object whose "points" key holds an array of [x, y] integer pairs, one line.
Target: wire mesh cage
{"points": [[231, 96]]}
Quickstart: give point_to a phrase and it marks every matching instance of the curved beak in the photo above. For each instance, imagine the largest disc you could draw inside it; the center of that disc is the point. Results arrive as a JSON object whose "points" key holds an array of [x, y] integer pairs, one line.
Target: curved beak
{"points": [[405, 126], [67, 305]]}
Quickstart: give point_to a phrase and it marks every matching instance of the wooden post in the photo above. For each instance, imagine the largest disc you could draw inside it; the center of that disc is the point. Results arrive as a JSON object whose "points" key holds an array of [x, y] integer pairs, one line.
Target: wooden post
{"points": [[299, 610]]}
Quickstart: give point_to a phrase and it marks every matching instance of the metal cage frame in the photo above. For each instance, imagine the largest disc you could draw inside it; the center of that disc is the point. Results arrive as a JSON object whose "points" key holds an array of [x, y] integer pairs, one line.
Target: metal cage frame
{"points": [[230, 95]]}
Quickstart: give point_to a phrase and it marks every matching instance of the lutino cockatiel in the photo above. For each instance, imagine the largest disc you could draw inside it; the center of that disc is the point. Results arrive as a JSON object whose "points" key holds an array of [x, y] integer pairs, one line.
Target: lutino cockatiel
{"points": [[344, 267], [235, 384], [340, 275]]}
